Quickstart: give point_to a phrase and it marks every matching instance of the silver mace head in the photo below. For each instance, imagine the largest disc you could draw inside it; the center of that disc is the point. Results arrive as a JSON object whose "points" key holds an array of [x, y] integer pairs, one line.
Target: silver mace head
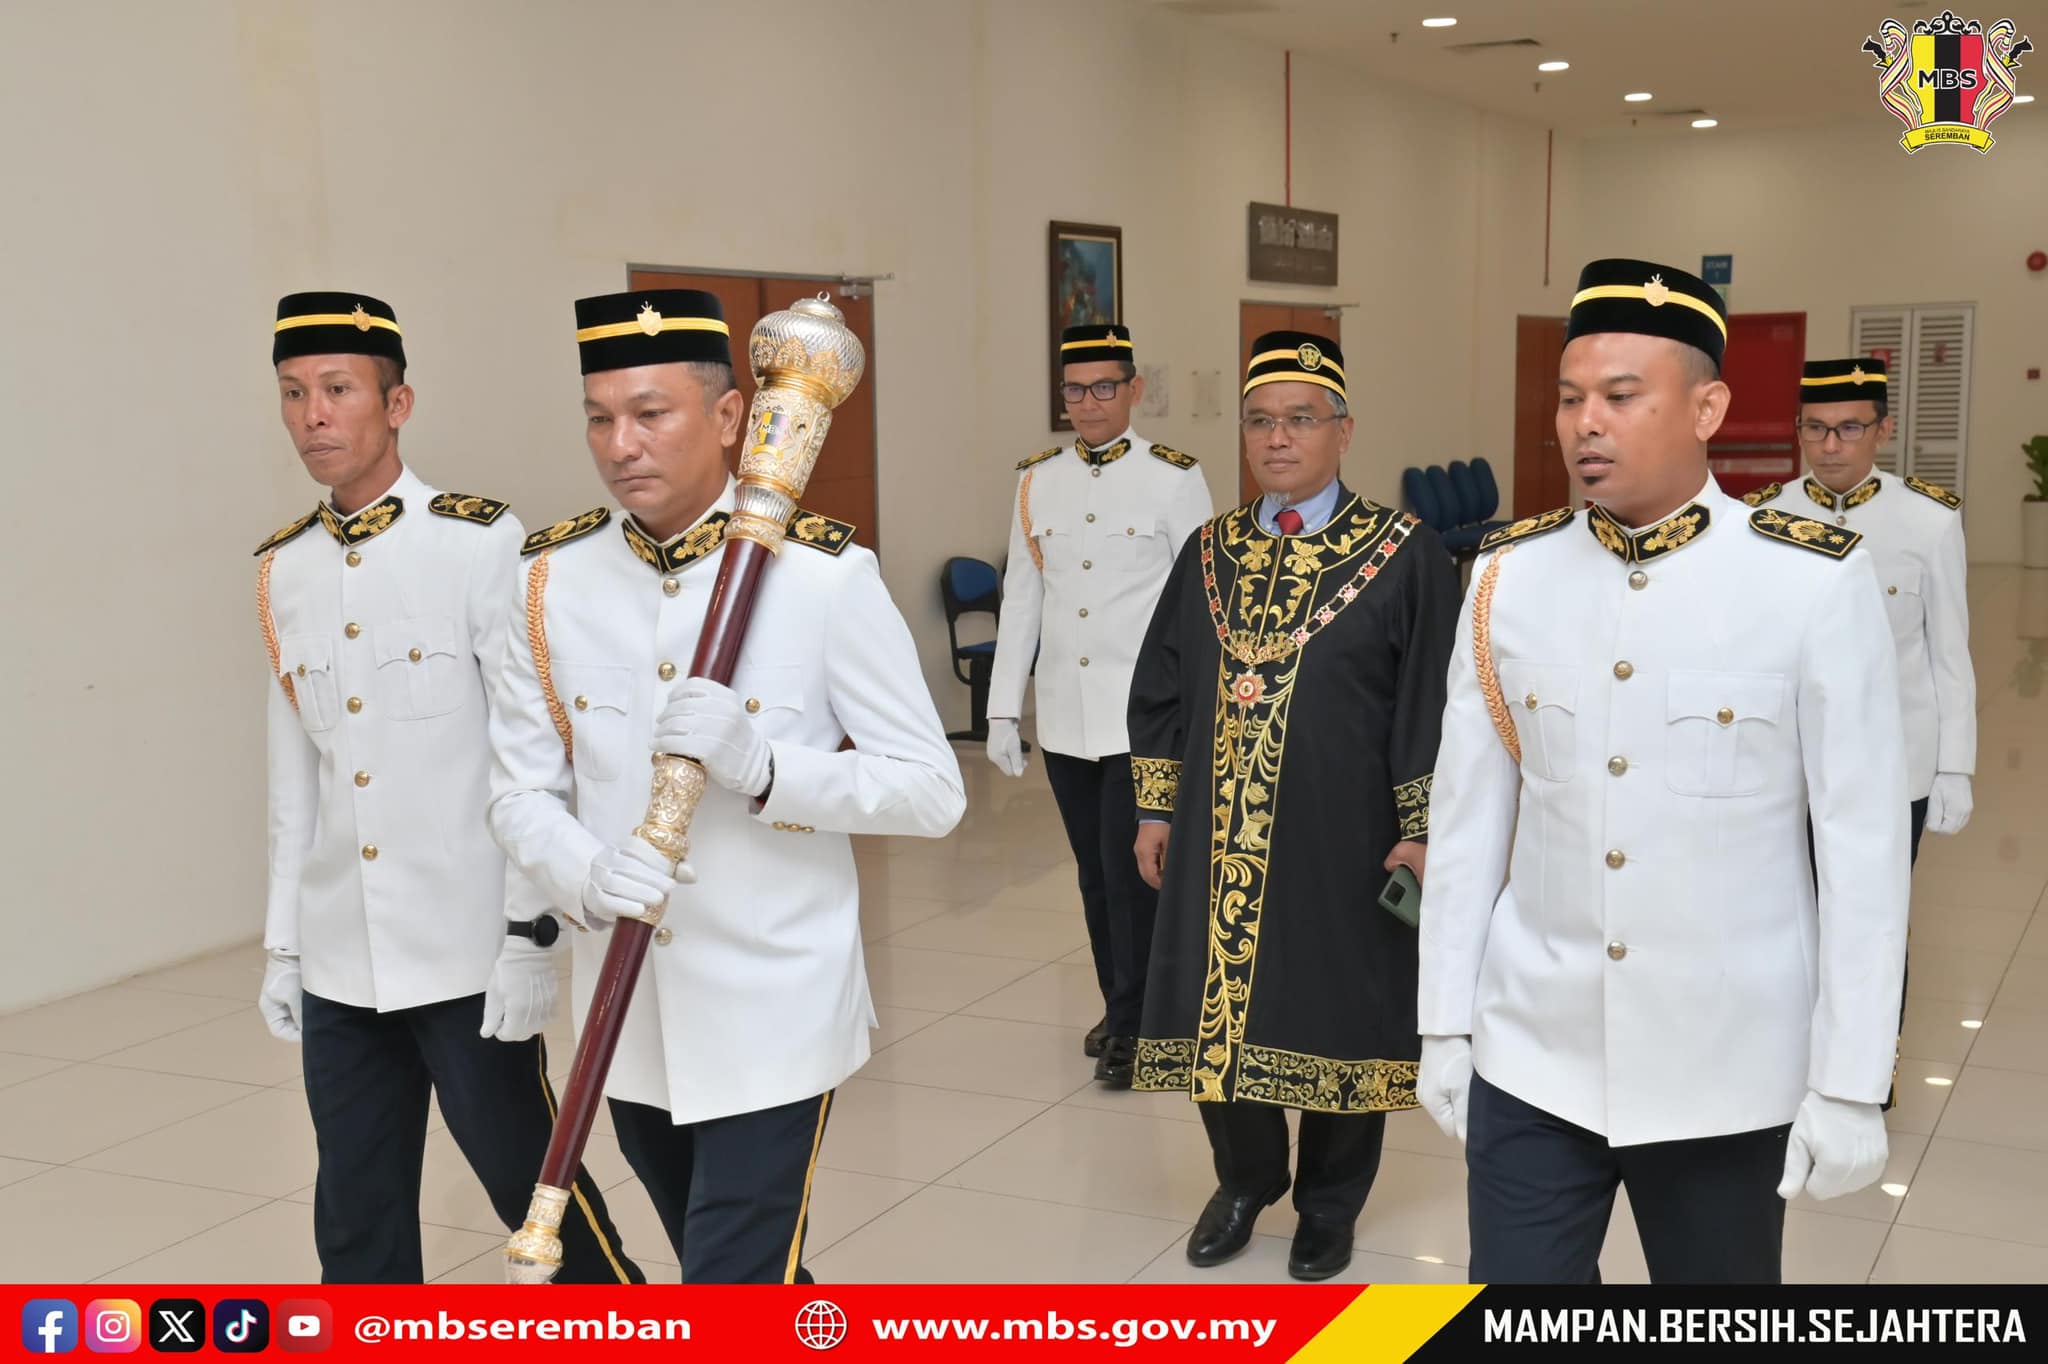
{"points": [[808, 345]]}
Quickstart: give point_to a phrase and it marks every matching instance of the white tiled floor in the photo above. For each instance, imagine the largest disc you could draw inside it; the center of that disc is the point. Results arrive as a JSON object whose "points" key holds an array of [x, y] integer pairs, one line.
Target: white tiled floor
{"points": [[154, 1131]]}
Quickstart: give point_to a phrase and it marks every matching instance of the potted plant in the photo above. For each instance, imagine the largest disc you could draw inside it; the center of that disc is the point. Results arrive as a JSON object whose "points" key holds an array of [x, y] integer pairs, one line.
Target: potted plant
{"points": [[2034, 511]]}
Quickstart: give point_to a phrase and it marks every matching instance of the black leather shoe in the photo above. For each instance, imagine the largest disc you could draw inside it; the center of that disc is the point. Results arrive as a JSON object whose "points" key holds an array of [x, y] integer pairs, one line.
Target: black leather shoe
{"points": [[1225, 1227], [1322, 1248], [1118, 1061], [1091, 1045]]}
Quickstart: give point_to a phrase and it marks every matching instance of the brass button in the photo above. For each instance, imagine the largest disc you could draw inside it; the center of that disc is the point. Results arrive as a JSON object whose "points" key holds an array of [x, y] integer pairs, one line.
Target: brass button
{"points": [[1087, 563], [1617, 950], [1530, 700], [302, 670], [1084, 662], [1091, 518], [582, 703], [1616, 858], [1639, 580], [1725, 716], [369, 852], [667, 672], [1096, 472], [670, 586], [664, 936], [753, 705], [1617, 765], [415, 655], [1130, 530], [1084, 613], [1841, 520], [362, 779], [355, 705], [353, 630], [355, 560], [1624, 670], [1892, 591]]}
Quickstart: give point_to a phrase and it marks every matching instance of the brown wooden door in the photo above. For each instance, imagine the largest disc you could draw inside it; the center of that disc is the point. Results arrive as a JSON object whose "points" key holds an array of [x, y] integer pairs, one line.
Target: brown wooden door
{"points": [[844, 484], [1253, 321], [1541, 481]]}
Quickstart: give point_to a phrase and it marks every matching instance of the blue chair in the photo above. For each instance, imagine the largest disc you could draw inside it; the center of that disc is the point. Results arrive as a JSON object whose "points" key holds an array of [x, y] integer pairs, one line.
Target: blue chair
{"points": [[1489, 490], [1421, 498], [971, 586]]}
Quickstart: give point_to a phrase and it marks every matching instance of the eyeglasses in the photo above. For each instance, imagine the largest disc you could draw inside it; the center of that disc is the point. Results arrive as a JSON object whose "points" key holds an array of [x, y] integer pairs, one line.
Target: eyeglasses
{"points": [[1103, 389], [1816, 433], [1259, 425]]}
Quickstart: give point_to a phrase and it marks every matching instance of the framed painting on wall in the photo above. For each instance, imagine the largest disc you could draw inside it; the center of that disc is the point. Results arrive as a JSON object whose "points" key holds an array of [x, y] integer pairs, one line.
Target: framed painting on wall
{"points": [[1085, 272]]}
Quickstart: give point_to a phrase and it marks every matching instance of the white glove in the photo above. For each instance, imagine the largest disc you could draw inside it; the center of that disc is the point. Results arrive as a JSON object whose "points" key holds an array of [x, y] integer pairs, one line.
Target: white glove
{"points": [[627, 881], [1005, 747], [1948, 804], [282, 999], [707, 722], [1443, 1086], [521, 996], [1836, 1148]]}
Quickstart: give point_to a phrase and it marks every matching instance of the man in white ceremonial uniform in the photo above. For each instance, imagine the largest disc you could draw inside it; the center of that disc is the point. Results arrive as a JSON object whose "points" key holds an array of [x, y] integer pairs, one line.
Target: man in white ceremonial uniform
{"points": [[752, 1005], [1628, 977], [1094, 529], [392, 961], [1914, 533]]}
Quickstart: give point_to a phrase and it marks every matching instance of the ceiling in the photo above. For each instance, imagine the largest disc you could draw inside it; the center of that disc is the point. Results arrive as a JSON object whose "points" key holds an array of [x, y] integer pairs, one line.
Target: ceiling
{"points": [[1752, 64]]}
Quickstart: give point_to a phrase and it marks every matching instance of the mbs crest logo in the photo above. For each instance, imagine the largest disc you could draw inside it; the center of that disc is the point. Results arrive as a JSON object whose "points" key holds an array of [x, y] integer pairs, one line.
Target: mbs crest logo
{"points": [[1947, 79]]}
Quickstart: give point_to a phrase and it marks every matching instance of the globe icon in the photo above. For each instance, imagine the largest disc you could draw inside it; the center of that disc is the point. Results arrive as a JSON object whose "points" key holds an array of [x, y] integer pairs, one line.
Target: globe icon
{"points": [[821, 1325]]}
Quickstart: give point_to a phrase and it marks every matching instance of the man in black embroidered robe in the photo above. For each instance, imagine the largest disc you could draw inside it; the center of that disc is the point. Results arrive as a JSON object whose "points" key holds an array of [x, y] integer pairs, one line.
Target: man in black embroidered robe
{"points": [[1283, 721]]}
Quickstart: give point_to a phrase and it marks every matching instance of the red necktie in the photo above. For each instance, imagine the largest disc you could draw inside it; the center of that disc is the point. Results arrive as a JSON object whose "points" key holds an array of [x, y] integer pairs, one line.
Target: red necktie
{"points": [[1289, 521]]}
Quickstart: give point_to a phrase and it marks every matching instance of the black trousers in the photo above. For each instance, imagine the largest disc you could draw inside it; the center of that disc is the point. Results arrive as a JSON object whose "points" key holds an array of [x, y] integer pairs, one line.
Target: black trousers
{"points": [[1099, 805], [734, 1194], [1539, 1193], [368, 1079], [1339, 1158]]}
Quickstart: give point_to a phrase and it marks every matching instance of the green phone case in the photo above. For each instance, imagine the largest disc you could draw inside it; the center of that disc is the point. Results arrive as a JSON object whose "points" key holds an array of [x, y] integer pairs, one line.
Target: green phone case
{"points": [[1402, 897]]}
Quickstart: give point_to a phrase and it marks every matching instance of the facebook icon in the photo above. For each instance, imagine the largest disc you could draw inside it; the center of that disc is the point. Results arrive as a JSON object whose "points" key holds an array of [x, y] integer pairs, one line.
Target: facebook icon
{"points": [[49, 1326]]}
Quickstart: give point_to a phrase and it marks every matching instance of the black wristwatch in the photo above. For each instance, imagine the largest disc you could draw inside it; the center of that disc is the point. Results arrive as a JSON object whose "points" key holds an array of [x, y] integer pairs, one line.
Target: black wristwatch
{"points": [[543, 930]]}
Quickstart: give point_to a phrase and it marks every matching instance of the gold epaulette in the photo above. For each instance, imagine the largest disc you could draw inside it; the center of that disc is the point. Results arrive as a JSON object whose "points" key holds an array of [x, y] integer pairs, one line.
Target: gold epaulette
{"points": [[287, 533], [1935, 491], [1174, 457], [1756, 497], [562, 532], [819, 532], [1526, 527], [1041, 457], [1804, 532], [468, 507]]}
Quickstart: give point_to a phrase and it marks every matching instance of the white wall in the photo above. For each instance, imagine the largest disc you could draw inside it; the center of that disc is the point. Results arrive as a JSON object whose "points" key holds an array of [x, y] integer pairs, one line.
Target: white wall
{"points": [[1824, 220], [482, 165]]}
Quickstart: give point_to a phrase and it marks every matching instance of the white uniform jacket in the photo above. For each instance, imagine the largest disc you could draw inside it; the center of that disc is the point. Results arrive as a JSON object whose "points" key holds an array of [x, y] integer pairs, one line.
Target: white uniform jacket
{"points": [[1624, 920], [384, 631], [755, 992], [1093, 534]]}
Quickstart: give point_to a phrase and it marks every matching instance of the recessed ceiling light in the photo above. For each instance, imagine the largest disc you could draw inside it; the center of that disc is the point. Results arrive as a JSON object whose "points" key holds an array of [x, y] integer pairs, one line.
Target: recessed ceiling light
{"points": [[1430, 1259], [1895, 1190], [1940, 1081], [1706, 123], [2022, 99], [1439, 23], [1973, 1023], [1638, 97], [1553, 66]]}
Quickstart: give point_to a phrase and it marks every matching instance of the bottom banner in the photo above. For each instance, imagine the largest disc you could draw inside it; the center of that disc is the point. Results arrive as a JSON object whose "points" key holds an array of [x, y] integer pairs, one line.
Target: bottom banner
{"points": [[1338, 1325]]}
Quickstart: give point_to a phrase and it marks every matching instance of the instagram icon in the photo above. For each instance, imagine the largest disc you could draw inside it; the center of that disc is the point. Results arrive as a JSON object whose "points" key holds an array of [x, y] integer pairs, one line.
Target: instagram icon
{"points": [[113, 1326]]}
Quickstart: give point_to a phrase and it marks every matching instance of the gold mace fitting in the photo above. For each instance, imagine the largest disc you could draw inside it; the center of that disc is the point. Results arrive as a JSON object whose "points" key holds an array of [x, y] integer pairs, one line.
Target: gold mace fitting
{"points": [[671, 804], [534, 1253], [806, 361]]}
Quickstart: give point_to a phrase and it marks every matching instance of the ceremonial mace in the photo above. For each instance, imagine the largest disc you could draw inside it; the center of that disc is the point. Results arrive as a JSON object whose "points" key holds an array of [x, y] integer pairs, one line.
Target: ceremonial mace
{"points": [[805, 363]]}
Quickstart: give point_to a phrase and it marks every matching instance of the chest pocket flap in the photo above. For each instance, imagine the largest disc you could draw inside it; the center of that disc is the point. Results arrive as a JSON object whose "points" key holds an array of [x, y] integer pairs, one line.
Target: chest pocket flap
{"points": [[1543, 698], [774, 686], [1719, 729], [419, 672], [599, 700], [308, 660]]}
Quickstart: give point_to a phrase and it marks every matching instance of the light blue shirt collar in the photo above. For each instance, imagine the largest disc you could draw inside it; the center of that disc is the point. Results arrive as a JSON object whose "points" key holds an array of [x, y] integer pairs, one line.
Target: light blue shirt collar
{"points": [[1316, 510]]}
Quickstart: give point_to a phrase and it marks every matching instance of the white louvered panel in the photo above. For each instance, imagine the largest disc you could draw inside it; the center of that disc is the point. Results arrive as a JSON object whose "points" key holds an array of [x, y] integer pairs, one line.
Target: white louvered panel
{"points": [[1882, 331], [1938, 419]]}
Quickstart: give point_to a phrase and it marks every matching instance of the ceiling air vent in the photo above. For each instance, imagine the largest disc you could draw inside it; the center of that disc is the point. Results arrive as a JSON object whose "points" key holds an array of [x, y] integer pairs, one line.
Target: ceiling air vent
{"points": [[1466, 49]]}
